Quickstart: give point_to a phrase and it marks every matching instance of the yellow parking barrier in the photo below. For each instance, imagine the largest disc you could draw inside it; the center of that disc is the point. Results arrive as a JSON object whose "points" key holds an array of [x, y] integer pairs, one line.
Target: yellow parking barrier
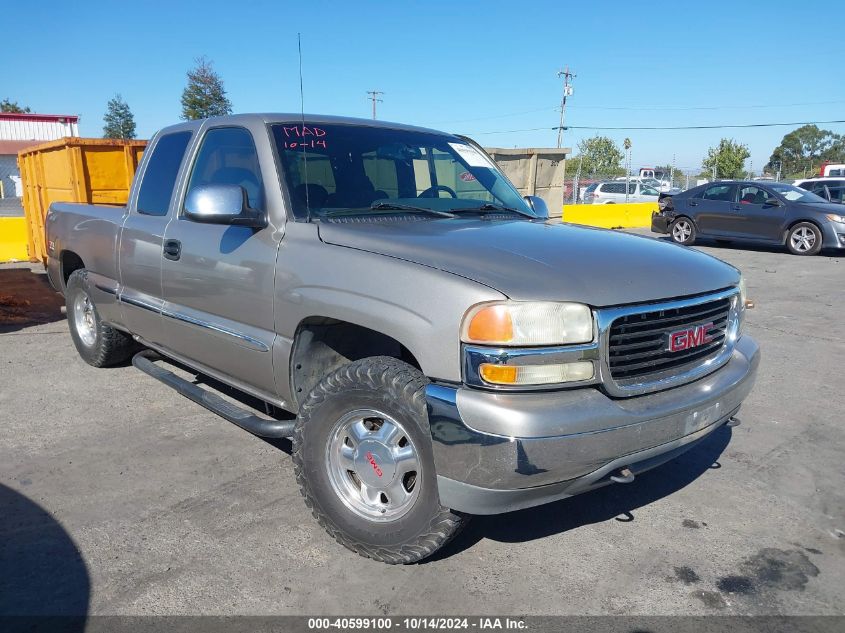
{"points": [[611, 216], [13, 240]]}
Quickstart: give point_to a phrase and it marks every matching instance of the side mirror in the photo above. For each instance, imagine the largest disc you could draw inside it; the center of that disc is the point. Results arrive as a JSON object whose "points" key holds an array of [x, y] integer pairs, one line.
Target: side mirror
{"points": [[773, 202], [538, 205], [222, 204]]}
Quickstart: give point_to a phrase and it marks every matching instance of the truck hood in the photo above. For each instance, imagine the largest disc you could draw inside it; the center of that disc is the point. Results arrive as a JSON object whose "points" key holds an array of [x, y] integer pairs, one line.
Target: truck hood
{"points": [[542, 261]]}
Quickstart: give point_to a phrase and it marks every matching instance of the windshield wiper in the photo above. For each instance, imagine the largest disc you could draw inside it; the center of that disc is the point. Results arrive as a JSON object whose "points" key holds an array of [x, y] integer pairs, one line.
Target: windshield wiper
{"points": [[489, 206], [388, 206]]}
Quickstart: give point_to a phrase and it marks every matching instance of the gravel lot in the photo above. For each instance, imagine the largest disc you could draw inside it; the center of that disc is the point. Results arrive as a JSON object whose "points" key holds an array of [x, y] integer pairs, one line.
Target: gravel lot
{"points": [[118, 496]]}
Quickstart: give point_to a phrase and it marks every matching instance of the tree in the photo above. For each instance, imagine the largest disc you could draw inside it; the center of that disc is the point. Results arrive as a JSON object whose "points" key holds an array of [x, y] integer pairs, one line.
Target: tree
{"points": [[204, 96], [801, 151], [599, 155], [118, 121], [728, 159], [13, 107]]}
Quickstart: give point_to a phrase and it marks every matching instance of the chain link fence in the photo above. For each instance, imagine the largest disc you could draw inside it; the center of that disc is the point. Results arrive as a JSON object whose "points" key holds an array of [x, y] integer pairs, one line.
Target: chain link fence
{"points": [[10, 186], [577, 184]]}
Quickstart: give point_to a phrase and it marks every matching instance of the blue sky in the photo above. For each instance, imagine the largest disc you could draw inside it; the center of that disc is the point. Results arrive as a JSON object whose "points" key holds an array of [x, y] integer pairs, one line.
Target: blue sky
{"points": [[466, 67]]}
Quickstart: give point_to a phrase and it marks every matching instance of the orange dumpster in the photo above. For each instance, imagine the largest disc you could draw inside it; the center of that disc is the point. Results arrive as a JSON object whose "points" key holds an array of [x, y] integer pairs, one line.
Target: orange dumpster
{"points": [[88, 170]]}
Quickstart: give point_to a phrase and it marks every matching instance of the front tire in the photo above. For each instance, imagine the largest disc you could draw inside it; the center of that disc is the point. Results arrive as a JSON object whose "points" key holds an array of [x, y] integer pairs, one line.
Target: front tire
{"points": [[98, 344], [683, 231], [364, 462], [804, 239]]}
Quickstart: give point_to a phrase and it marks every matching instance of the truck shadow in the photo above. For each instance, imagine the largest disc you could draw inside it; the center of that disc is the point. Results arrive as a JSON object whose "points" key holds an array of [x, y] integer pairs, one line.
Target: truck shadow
{"points": [[42, 572], [27, 299], [615, 501]]}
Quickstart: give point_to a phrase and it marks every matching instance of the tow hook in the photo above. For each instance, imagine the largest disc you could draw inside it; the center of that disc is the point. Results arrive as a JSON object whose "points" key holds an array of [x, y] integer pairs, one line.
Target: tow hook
{"points": [[623, 476], [733, 422]]}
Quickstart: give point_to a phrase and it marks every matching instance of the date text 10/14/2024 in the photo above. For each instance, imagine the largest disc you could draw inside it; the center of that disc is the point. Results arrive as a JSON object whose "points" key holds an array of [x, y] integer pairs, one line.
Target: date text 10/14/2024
{"points": [[386, 623]]}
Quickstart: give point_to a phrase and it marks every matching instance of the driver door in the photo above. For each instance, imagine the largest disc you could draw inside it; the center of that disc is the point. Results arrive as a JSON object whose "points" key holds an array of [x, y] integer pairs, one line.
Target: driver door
{"points": [[217, 279], [755, 219]]}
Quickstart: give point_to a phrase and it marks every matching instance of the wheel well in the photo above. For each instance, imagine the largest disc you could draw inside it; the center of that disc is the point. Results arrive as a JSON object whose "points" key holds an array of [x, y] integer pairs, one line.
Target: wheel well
{"points": [[70, 262], [321, 345], [789, 228]]}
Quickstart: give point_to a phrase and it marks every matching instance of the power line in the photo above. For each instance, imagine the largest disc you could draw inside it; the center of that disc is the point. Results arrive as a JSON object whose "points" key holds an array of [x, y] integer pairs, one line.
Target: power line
{"points": [[665, 108], [641, 108], [657, 127], [701, 127]]}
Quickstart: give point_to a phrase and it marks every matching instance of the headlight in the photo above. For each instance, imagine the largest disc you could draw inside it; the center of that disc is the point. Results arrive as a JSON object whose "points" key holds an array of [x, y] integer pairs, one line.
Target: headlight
{"points": [[530, 375], [835, 218], [528, 323]]}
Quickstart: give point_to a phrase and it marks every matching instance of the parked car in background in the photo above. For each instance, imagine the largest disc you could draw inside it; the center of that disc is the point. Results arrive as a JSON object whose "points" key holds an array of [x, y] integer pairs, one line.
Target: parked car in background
{"points": [[772, 213], [614, 192], [831, 170], [831, 189], [662, 177]]}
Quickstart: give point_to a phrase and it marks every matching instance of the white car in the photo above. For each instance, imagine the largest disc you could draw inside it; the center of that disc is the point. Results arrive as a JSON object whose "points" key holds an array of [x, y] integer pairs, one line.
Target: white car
{"points": [[831, 189], [613, 192]]}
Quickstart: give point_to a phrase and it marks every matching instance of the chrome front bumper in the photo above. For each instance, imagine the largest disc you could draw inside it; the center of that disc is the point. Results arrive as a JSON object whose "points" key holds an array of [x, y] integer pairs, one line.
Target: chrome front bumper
{"points": [[497, 452]]}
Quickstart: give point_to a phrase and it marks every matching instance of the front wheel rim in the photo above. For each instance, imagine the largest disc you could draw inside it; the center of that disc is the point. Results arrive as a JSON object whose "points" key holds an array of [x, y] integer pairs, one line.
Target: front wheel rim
{"points": [[373, 465], [85, 320], [681, 231], [803, 239]]}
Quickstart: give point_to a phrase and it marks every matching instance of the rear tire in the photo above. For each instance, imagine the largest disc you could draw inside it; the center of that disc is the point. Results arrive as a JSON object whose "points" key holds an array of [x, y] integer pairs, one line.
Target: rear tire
{"points": [[682, 231], [804, 238], [98, 344], [364, 462]]}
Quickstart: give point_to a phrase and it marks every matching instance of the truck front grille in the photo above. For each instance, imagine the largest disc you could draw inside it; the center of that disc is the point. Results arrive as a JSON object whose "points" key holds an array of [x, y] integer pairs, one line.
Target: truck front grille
{"points": [[639, 344]]}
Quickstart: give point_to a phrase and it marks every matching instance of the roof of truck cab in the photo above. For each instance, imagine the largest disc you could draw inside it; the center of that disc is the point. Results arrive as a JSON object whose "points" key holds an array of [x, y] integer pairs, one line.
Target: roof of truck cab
{"points": [[313, 119]]}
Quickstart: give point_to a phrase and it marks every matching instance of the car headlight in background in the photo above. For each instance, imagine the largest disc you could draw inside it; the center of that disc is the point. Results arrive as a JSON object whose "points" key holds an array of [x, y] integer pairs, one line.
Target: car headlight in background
{"points": [[513, 323]]}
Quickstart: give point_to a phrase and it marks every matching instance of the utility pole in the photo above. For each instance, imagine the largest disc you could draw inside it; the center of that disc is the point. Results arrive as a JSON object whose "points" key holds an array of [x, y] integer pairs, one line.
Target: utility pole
{"points": [[567, 92], [672, 173], [374, 97]]}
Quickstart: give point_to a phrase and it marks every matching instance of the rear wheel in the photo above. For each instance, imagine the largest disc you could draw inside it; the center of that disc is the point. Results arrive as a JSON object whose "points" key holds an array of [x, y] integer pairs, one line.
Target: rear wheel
{"points": [[804, 239], [683, 231], [98, 344], [365, 465]]}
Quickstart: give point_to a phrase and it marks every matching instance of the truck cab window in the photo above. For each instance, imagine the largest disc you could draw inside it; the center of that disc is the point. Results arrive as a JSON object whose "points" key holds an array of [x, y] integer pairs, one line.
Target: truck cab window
{"points": [[332, 169], [228, 157], [160, 175]]}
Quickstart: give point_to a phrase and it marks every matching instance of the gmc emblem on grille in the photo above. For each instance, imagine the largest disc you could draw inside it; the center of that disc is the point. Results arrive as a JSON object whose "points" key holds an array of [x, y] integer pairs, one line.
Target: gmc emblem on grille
{"points": [[689, 338]]}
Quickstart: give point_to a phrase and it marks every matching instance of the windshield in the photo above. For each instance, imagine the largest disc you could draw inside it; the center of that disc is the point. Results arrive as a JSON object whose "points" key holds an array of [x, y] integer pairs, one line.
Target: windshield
{"points": [[796, 194], [337, 169]]}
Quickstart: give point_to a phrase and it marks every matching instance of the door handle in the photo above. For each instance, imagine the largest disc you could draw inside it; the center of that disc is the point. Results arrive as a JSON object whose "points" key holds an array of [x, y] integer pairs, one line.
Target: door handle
{"points": [[172, 249], [736, 207], [693, 203]]}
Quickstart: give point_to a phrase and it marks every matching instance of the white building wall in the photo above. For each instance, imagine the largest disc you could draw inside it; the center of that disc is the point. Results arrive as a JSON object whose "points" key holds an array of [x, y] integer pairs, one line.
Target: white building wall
{"points": [[36, 130]]}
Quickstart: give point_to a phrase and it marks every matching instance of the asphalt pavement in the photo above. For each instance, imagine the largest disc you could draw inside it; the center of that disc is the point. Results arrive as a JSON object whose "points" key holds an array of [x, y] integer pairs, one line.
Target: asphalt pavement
{"points": [[118, 496]]}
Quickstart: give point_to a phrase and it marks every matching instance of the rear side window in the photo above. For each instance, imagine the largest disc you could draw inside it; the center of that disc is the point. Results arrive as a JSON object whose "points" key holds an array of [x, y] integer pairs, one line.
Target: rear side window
{"points": [[718, 192], [160, 175], [613, 187]]}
